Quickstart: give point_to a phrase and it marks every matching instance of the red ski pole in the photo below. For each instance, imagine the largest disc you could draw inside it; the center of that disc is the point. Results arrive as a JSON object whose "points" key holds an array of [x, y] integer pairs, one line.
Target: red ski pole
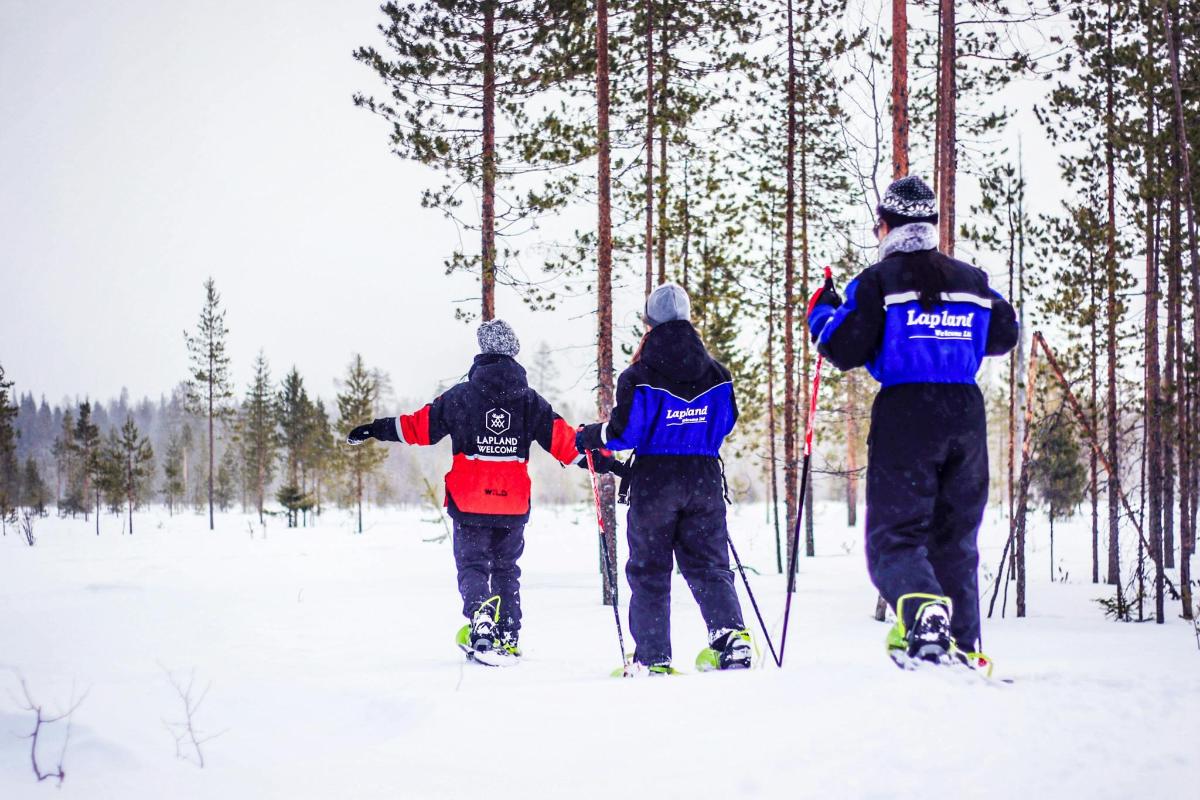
{"points": [[804, 472], [609, 571]]}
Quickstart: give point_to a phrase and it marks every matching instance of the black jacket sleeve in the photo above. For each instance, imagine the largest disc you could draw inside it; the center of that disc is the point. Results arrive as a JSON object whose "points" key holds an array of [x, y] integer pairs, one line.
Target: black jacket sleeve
{"points": [[851, 337], [599, 434], [1003, 328]]}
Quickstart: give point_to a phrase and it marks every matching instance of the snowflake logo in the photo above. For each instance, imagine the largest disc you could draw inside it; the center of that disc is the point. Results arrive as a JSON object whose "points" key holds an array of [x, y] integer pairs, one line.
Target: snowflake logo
{"points": [[497, 420]]}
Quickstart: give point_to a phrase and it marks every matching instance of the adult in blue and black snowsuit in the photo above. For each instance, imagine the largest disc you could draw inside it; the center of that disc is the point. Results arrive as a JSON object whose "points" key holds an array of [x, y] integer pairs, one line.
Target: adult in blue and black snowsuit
{"points": [[921, 323], [492, 419], [674, 407]]}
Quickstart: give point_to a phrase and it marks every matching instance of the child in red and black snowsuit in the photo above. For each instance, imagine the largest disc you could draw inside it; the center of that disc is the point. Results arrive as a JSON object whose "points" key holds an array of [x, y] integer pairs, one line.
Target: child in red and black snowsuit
{"points": [[492, 420]]}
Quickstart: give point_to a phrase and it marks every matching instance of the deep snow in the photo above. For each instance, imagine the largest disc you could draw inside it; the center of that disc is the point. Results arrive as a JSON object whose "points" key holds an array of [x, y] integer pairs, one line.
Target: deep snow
{"points": [[333, 673]]}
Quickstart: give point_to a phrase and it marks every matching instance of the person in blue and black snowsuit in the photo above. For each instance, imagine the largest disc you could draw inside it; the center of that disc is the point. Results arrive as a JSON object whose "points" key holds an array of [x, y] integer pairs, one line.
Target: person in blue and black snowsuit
{"points": [[674, 407], [493, 418], [921, 323]]}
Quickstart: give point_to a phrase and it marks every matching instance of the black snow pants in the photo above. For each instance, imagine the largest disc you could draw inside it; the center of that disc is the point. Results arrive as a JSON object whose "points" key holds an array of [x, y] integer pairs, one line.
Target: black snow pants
{"points": [[927, 486], [677, 508], [486, 558]]}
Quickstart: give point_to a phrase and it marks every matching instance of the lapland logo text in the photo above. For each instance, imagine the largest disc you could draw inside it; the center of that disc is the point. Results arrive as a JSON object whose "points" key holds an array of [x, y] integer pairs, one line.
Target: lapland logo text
{"points": [[945, 319], [687, 416], [945, 325]]}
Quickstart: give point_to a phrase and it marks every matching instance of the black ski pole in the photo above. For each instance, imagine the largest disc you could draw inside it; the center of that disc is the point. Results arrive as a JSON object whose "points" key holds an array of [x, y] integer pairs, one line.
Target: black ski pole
{"points": [[753, 602], [610, 572], [804, 472]]}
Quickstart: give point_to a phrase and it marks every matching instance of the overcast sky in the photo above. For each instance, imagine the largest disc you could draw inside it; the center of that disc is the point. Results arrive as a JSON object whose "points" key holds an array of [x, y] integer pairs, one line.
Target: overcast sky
{"points": [[145, 145]]}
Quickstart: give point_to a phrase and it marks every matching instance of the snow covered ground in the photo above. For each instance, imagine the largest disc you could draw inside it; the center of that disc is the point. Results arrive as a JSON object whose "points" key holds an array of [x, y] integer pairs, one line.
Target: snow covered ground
{"points": [[333, 673]]}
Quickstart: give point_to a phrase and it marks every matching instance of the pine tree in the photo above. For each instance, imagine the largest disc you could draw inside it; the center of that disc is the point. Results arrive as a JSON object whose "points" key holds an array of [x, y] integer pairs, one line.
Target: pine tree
{"points": [[208, 385], [10, 476], [174, 487], [260, 440], [1057, 475], [34, 492], [133, 457], [90, 458], [293, 411], [356, 403], [456, 71]]}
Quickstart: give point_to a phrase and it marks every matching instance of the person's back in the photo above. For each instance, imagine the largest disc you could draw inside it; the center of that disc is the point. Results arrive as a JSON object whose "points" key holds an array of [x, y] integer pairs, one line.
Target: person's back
{"points": [[674, 407], [492, 419], [921, 323]]}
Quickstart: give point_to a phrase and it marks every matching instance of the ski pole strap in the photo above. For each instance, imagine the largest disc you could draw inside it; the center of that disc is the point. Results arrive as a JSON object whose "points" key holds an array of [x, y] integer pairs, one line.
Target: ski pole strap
{"points": [[595, 489], [812, 407]]}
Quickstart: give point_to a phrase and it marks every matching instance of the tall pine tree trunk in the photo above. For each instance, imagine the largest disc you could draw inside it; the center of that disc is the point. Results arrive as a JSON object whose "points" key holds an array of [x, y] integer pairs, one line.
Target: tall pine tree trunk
{"points": [[900, 89], [1189, 475], [805, 378], [604, 353], [488, 212], [649, 180], [1153, 400], [1093, 383], [852, 443], [790, 434], [771, 427], [664, 67], [1170, 429], [1110, 266], [947, 119]]}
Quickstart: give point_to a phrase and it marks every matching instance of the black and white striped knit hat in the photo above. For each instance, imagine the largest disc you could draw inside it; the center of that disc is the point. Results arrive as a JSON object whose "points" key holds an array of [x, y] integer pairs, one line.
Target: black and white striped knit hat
{"points": [[909, 197]]}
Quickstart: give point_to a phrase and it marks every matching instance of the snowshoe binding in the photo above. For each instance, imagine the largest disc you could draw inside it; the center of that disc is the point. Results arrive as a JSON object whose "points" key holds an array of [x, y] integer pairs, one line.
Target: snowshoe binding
{"points": [[482, 640], [929, 640], [727, 649]]}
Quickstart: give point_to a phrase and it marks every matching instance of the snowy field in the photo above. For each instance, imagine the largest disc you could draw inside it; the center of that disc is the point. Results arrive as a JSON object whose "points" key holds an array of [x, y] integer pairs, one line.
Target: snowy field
{"points": [[333, 673]]}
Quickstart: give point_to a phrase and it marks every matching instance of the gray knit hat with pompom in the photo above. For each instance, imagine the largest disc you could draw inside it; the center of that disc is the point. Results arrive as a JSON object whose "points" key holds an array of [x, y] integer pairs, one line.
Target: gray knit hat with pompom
{"points": [[496, 337]]}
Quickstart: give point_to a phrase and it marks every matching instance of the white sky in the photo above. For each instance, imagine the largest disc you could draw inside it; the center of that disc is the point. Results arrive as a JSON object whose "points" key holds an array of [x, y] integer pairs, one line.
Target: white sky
{"points": [[145, 145]]}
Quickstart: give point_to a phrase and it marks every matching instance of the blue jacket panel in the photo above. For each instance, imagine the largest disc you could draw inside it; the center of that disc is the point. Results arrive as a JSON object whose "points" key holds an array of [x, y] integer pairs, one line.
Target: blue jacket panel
{"points": [[674, 400], [883, 325]]}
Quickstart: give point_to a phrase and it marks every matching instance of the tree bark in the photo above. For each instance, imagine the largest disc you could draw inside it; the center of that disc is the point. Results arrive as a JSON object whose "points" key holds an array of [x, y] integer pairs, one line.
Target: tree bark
{"points": [[1170, 429], [1188, 476], [1023, 488], [805, 260], [790, 434], [1110, 264], [900, 89], [1094, 380], [664, 66], [488, 214], [1153, 400], [649, 147], [774, 472], [947, 117], [604, 353]]}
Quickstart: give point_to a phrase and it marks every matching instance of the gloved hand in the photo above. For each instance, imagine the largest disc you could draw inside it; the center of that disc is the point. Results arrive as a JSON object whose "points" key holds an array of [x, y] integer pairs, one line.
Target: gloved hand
{"points": [[587, 437], [373, 430], [604, 462], [822, 304]]}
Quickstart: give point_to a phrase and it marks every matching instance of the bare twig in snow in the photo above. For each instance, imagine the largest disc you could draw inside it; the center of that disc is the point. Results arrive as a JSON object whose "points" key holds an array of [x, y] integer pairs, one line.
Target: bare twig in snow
{"points": [[188, 738], [40, 721]]}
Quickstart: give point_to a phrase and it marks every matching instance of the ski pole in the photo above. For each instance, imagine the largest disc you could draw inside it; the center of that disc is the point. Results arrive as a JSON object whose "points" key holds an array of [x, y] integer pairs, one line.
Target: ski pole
{"points": [[609, 571], [753, 602], [804, 472]]}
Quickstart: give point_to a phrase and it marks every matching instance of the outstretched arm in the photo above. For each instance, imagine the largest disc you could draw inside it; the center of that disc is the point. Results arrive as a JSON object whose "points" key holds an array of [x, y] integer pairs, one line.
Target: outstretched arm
{"points": [[557, 437], [422, 427], [625, 425]]}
